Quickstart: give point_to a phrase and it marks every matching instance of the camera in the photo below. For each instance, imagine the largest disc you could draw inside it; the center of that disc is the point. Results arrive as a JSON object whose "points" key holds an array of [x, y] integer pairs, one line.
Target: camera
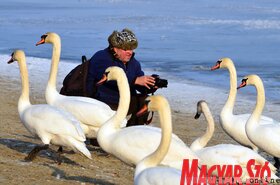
{"points": [[160, 83]]}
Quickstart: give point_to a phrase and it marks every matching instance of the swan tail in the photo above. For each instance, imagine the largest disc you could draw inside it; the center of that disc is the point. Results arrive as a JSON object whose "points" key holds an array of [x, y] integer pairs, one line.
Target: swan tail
{"points": [[271, 167], [274, 176], [81, 133], [79, 129], [81, 148], [123, 124], [262, 161]]}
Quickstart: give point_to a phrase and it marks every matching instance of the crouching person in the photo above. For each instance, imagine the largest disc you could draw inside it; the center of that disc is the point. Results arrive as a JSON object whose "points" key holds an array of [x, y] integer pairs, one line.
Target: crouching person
{"points": [[120, 52]]}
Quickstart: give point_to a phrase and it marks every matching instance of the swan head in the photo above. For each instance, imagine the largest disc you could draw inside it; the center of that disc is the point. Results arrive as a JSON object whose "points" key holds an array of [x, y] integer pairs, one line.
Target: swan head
{"points": [[153, 103], [199, 110], [249, 80], [222, 63], [16, 56], [48, 37], [111, 73]]}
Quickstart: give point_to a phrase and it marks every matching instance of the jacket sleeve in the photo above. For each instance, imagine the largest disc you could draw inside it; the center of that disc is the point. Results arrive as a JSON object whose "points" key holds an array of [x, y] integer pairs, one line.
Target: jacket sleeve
{"points": [[138, 73]]}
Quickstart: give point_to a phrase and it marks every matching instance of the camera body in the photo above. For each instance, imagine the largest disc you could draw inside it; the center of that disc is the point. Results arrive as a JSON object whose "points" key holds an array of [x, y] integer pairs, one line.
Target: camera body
{"points": [[160, 83]]}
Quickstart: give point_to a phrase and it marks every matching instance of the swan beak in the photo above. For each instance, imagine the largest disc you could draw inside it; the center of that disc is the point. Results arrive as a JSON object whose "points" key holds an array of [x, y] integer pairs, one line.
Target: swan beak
{"points": [[102, 80], [11, 60], [197, 115], [217, 66], [142, 111], [243, 84], [42, 41]]}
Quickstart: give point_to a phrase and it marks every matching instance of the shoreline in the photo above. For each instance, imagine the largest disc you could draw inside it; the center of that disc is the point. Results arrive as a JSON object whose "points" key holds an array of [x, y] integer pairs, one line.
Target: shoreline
{"points": [[182, 95]]}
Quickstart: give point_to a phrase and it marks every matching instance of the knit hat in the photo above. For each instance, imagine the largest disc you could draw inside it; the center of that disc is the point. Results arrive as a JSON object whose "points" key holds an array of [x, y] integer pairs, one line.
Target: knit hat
{"points": [[125, 40]]}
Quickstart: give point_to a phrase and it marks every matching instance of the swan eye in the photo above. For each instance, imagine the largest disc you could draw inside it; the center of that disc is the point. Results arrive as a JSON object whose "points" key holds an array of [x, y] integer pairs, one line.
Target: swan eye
{"points": [[244, 80], [12, 54], [197, 115], [44, 37], [106, 73], [147, 102], [219, 61]]}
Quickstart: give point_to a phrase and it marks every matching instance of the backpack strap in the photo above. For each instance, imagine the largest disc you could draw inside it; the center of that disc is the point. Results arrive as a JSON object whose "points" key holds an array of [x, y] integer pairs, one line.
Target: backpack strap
{"points": [[85, 64], [84, 59]]}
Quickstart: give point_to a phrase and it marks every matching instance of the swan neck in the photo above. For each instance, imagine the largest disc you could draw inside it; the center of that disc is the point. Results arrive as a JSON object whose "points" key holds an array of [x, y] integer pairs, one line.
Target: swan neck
{"points": [[24, 97], [260, 101], [113, 125], [157, 156], [51, 95], [233, 87], [205, 138], [54, 65], [124, 100]]}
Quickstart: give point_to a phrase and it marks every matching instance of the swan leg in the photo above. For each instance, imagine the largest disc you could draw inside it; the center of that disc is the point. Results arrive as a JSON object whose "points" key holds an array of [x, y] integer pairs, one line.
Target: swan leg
{"points": [[35, 151], [60, 149], [59, 152], [277, 163], [97, 148], [94, 142]]}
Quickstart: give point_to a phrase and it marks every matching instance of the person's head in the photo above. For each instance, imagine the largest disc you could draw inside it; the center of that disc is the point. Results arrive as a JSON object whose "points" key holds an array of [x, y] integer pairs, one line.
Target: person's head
{"points": [[123, 44]]}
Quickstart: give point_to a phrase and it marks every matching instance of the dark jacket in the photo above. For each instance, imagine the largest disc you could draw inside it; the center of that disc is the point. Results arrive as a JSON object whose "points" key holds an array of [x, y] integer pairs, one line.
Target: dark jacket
{"points": [[108, 92]]}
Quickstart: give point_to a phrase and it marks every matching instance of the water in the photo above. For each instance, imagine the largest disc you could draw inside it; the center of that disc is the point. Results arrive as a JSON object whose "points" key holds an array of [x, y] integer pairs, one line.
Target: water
{"points": [[178, 39]]}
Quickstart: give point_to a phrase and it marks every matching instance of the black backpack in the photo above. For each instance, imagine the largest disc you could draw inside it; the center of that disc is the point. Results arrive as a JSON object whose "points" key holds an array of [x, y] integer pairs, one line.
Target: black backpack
{"points": [[74, 84]]}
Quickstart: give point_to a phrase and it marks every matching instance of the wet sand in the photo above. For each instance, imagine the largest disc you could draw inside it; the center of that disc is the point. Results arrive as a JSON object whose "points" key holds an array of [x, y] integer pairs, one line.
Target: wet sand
{"points": [[16, 142]]}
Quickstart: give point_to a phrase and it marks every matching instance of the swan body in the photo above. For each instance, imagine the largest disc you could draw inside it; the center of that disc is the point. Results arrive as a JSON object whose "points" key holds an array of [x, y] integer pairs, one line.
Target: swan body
{"points": [[265, 136], [90, 112], [158, 176], [49, 123], [147, 171], [224, 154], [234, 125], [131, 144]]}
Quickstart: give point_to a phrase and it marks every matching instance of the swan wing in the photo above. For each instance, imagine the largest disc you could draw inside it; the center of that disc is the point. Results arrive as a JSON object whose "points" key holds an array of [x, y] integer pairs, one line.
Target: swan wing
{"points": [[158, 176], [267, 137], [86, 112], [245, 117], [132, 144], [87, 100], [219, 154], [265, 118], [230, 154], [49, 119]]}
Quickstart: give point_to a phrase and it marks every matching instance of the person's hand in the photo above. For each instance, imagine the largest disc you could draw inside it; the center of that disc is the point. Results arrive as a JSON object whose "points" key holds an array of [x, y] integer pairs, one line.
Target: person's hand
{"points": [[145, 81]]}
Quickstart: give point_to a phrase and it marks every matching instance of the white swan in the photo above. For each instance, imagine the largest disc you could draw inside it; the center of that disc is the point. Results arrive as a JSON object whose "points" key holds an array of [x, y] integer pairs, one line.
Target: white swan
{"points": [[224, 154], [90, 112], [131, 144], [234, 125], [50, 124], [147, 171], [265, 136]]}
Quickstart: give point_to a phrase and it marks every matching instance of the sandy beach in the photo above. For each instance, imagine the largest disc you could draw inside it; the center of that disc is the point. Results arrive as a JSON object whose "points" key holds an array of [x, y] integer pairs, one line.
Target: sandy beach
{"points": [[16, 142]]}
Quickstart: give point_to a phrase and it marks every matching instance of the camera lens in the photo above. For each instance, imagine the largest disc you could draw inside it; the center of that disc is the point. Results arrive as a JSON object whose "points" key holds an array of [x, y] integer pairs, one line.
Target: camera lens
{"points": [[160, 83]]}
